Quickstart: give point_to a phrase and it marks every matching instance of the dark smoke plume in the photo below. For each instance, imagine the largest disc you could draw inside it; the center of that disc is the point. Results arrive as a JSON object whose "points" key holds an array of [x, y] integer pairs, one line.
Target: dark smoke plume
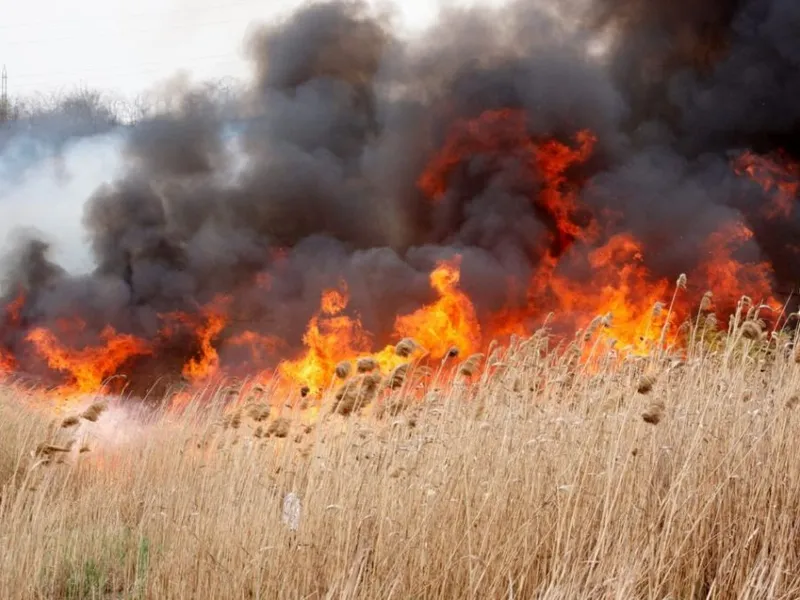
{"points": [[313, 180]]}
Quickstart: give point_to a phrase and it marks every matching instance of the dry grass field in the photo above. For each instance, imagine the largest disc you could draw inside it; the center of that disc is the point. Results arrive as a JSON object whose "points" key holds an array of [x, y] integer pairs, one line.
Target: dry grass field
{"points": [[536, 477]]}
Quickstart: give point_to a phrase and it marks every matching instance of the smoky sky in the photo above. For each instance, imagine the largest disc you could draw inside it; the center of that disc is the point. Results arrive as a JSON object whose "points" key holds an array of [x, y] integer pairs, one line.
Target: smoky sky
{"points": [[311, 178]]}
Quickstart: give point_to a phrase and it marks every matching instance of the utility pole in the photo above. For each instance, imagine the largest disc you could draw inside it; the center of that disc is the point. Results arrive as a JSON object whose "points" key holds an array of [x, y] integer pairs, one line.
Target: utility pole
{"points": [[5, 109]]}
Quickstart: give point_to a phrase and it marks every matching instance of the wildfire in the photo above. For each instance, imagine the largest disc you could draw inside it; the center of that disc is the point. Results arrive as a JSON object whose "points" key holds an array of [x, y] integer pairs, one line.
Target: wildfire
{"points": [[86, 369], [206, 327], [776, 175], [500, 135], [587, 276], [331, 337], [448, 322]]}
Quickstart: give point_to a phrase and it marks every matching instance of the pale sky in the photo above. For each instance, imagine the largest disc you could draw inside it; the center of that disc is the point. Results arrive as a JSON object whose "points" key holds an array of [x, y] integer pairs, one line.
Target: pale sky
{"points": [[127, 47]]}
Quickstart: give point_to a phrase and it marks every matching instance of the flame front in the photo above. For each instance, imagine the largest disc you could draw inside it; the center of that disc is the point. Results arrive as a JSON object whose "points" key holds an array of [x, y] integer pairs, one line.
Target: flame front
{"points": [[86, 369], [588, 275], [449, 322], [331, 337]]}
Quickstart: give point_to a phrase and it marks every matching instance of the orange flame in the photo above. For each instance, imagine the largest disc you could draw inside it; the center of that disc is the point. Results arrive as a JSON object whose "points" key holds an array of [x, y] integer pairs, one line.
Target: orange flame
{"points": [[448, 322], [777, 176], [585, 269], [212, 320], [330, 338], [89, 367]]}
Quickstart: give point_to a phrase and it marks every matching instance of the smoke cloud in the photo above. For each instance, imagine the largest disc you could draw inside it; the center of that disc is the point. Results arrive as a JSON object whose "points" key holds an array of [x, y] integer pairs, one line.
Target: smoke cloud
{"points": [[312, 176]]}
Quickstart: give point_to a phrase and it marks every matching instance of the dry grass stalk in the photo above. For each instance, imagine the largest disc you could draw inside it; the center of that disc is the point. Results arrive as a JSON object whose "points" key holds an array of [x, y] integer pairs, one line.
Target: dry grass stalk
{"points": [[46, 449], [692, 503]]}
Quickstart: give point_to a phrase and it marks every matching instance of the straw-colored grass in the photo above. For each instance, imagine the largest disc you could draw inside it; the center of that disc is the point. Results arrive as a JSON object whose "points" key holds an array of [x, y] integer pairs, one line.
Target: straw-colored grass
{"points": [[540, 479]]}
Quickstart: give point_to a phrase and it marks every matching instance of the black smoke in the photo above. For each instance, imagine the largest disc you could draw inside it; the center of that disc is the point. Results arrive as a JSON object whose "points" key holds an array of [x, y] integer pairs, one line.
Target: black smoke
{"points": [[312, 179]]}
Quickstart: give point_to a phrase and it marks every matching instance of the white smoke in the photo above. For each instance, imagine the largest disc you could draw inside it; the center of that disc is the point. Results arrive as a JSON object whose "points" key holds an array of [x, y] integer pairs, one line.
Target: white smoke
{"points": [[44, 188]]}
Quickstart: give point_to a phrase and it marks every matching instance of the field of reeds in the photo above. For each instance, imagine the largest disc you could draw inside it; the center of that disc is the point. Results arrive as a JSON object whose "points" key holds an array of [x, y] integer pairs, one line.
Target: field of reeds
{"points": [[532, 473]]}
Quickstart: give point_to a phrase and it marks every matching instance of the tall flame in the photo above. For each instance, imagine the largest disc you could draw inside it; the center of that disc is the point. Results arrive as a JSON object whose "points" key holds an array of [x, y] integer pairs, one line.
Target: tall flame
{"points": [[331, 337], [87, 368], [587, 271], [448, 322]]}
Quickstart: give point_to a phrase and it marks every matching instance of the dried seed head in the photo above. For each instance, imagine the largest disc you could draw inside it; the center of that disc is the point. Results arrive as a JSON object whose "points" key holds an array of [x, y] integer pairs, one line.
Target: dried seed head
{"points": [[711, 321], [593, 326], [304, 391], [658, 308], [259, 432], [357, 392], [235, 420], [646, 384], [453, 352], [793, 401], [366, 364], [470, 366], [405, 347], [681, 283], [706, 302], [45, 449], [397, 376], [94, 411], [751, 330], [70, 421], [607, 321], [258, 412], [654, 413], [343, 369], [279, 427]]}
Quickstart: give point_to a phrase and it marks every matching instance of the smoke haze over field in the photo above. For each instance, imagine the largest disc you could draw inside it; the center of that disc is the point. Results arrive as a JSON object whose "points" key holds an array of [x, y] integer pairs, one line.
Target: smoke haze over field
{"points": [[317, 174]]}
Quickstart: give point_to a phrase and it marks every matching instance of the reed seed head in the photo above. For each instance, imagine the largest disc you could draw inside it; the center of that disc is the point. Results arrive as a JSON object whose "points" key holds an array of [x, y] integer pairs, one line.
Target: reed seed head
{"points": [[470, 366], [654, 413], [405, 347], [70, 421], [366, 364], [343, 369], [646, 383], [94, 411]]}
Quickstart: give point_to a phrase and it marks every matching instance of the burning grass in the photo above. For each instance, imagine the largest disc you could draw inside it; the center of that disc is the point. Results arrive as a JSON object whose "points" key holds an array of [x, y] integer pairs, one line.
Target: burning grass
{"points": [[527, 472]]}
